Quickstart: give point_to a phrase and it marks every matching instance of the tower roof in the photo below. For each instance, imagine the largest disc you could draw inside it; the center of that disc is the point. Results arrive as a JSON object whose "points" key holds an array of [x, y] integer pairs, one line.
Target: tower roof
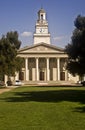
{"points": [[41, 10]]}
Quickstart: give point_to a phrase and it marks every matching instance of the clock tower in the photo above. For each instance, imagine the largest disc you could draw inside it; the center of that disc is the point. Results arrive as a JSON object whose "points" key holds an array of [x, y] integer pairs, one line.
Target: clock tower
{"points": [[41, 29]]}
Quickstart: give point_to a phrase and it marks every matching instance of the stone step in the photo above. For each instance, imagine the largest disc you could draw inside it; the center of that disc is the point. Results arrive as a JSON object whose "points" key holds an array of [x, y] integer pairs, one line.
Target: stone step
{"points": [[49, 83]]}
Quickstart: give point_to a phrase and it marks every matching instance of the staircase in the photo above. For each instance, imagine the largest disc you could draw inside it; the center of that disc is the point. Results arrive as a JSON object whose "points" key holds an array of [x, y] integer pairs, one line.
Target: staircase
{"points": [[50, 83]]}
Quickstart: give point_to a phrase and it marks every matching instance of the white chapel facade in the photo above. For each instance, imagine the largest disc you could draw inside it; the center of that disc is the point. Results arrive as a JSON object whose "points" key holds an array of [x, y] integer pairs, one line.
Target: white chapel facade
{"points": [[44, 61]]}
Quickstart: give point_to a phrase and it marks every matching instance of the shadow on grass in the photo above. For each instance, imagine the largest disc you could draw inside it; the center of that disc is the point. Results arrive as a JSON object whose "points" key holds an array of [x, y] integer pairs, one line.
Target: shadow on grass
{"points": [[49, 96], [70, 95], [80, 109]]}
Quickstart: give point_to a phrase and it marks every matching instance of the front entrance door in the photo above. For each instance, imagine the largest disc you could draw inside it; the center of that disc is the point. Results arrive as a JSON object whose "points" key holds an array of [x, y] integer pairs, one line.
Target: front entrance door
{"points": [[41, 75], [62, 76]]}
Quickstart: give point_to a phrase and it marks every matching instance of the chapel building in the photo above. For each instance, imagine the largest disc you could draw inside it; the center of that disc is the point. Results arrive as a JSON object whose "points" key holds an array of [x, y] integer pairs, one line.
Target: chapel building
{"points": [[44, 62]]}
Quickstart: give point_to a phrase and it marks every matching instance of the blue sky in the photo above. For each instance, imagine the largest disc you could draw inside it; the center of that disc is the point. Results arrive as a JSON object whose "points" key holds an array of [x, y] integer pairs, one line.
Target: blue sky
{"points": [[21, 16]]}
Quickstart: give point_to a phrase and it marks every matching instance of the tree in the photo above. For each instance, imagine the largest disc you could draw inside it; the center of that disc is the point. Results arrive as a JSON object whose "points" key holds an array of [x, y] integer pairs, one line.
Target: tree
{"points": [[76, 49], [13, 39], [9, 45]]}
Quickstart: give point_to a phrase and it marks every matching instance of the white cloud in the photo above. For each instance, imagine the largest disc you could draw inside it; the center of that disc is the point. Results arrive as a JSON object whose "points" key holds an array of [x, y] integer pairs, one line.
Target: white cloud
{"points": [[59, 38], [26, 34]]}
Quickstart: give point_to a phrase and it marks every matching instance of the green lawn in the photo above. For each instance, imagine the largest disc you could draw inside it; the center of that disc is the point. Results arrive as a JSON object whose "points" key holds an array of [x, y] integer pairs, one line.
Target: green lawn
{"points": [[43, 108]]}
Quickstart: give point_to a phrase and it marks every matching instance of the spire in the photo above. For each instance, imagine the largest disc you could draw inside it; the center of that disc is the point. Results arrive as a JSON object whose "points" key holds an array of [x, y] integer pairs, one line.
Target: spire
{"points": [[41, 6]]}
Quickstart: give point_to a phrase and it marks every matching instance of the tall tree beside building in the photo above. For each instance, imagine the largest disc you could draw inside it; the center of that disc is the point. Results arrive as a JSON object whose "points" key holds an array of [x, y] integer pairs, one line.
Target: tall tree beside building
{"points": [[9, 44], [76, 49]]}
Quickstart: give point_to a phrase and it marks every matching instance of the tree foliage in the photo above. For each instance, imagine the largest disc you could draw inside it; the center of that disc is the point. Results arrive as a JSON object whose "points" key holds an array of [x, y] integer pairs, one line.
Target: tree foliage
{"points": [[9, 44], [76, 49], [13, 39]]}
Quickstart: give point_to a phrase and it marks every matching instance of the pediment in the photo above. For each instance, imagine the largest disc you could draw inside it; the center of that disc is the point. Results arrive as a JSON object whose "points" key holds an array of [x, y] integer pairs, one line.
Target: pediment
{"points": [[41, 48]]}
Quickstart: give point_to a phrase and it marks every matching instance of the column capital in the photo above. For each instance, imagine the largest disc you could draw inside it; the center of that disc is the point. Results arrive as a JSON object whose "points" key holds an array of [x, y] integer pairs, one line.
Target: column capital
{"points": [[37, 58], [58, 58]]}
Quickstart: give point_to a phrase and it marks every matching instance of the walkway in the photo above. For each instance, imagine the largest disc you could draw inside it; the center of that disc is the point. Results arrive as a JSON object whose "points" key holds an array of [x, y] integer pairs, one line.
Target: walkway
{"points": [[2, 90]]}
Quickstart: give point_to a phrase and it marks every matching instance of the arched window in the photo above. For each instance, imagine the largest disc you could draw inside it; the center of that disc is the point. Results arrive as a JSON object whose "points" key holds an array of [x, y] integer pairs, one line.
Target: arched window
{"points": [[41, 16]]}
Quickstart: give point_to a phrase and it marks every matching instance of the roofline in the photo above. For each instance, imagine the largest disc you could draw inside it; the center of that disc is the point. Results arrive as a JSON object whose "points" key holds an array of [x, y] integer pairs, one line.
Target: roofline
{"points": [[45, 44]]}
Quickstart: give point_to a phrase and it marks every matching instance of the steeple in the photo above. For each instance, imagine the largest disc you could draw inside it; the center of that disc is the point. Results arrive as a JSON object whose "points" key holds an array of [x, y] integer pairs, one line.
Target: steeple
{"points": [[41, 28]]}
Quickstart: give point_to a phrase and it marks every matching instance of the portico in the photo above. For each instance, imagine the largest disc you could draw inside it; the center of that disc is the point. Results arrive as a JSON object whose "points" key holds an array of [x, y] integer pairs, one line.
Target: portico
{"points": [[45, 69]]}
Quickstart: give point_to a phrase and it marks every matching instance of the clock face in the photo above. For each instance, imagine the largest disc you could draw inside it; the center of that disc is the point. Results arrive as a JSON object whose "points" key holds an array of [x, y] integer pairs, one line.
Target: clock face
{"points": [[42, 30]]}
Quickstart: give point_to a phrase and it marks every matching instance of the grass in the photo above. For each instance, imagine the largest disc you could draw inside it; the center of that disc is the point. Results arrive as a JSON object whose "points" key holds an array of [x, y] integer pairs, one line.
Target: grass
{"points": [[43, 108]]}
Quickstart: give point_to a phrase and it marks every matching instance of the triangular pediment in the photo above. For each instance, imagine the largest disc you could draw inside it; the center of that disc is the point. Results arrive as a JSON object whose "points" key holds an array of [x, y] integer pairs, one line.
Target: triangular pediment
{"points": [[41, 48]]}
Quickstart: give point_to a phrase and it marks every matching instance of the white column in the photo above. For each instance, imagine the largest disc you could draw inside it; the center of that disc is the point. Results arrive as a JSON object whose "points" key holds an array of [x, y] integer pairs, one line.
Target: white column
{"points": [[58, 67], [47, 69], [17, 76], [26, 69], [37, 69], [6, 78]]}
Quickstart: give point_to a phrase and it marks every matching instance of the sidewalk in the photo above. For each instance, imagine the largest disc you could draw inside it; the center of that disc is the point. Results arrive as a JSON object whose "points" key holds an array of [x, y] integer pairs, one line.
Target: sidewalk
{"points": [[2, 90]]}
